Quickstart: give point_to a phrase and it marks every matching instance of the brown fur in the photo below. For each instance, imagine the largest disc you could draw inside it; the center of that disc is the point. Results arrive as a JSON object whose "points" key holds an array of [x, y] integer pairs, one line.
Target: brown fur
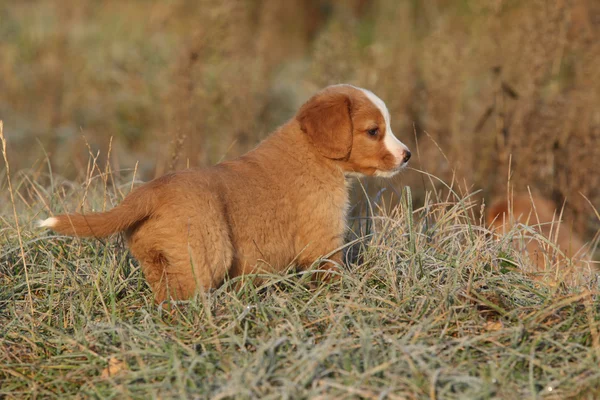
{"points": [[543, 215], [283, 202]]}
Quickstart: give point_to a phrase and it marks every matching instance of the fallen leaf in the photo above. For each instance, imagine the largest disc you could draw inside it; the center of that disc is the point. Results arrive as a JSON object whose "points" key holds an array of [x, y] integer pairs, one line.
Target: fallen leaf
{"points": [[492, 326], [114, 366]]}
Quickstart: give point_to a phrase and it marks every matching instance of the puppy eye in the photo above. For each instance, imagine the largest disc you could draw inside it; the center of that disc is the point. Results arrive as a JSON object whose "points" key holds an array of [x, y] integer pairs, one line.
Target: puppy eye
{"points": [[373, 132]]}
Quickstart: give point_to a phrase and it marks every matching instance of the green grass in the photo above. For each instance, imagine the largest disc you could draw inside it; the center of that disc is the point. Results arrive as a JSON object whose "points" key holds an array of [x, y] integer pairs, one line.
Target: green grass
{"points": [[429, 311]]}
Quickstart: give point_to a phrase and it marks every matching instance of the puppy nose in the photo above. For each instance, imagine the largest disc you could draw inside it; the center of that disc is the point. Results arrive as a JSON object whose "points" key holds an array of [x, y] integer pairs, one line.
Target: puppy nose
{"points": [[406, 156]]}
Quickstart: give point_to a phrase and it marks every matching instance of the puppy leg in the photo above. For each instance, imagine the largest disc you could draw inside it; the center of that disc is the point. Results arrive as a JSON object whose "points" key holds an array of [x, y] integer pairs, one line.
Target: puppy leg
{"points": [[329, 270], [177, 260]]}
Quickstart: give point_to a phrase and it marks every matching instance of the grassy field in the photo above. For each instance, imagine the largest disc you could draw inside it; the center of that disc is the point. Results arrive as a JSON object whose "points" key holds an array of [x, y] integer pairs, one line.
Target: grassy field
{"points": [[490, 96], [431, 306]]}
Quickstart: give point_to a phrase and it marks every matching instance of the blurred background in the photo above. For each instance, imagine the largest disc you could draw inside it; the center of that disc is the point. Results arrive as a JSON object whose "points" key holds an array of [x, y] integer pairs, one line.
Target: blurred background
{"points": [[480, 90]]}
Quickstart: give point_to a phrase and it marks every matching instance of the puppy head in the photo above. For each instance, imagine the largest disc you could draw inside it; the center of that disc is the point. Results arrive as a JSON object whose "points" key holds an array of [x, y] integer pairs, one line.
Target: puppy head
{"points": [[352, 126], [502, 216]]}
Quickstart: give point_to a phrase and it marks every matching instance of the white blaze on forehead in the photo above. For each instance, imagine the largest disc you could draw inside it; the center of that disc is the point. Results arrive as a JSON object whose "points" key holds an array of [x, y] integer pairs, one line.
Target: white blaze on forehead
{"points": [[380, 105], [396, 147]]}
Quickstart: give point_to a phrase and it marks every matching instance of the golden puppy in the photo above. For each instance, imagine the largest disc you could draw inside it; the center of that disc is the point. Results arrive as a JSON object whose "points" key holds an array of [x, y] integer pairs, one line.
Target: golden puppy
{"points": [[283, 202], [543, 216]]}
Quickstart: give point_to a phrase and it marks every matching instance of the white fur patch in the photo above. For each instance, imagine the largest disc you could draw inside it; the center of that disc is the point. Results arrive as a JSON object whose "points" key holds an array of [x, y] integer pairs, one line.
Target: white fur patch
{"points": [[386, 174], [48, 223], [353, 174], [394, 146]]}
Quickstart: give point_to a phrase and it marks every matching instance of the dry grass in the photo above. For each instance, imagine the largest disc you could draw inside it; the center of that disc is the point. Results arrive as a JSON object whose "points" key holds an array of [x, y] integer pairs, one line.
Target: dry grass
{"points": [[431, 306]]}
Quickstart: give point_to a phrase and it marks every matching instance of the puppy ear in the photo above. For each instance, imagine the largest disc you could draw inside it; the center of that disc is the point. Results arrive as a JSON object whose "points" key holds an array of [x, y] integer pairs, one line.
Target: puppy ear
{"points": [[326, 119]]}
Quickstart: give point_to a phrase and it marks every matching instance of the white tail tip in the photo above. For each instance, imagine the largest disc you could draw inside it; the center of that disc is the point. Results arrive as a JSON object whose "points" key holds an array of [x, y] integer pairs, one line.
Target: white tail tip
{"points": [[48, 223]]}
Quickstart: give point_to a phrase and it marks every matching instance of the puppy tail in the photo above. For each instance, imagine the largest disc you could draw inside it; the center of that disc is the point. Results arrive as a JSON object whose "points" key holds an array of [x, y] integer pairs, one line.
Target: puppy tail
{"points": [[138, 205]]}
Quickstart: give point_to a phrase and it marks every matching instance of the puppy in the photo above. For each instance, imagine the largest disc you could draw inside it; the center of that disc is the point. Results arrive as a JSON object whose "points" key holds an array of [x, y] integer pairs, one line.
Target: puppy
{"points": [[283, 202], [543, 216]]}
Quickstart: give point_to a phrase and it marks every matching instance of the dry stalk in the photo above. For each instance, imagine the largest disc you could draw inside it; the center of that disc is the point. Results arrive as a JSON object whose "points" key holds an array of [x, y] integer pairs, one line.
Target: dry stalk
{"points": [[14, 207]]}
